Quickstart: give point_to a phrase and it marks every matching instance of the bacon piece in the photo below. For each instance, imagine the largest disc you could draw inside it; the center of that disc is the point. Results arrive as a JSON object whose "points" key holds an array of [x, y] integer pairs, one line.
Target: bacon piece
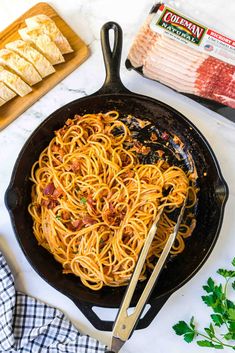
{"points": [[145, 150], [49, 204], [165, 136], [153, 137], [57, 193], [75, 166], [78, 224], [65, 215], [87, 220], [49, 189]]}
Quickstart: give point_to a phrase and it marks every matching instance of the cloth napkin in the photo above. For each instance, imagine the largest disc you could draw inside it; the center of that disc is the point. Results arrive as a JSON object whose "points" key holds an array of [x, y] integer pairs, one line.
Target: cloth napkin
{"points": [[30, 326]]}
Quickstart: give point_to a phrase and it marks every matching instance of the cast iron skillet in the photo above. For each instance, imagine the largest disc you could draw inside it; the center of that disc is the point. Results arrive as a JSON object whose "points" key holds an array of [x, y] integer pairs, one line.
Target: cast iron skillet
{"points": [[212, 196]]}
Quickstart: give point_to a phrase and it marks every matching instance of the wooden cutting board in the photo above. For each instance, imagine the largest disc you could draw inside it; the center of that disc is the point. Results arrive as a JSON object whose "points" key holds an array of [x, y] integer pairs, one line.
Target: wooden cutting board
{"points": [[12, 109]]}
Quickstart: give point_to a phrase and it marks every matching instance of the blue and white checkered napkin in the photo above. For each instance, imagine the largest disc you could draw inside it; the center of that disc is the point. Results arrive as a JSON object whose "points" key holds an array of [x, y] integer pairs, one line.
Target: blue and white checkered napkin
{"points": [[30, 326]]}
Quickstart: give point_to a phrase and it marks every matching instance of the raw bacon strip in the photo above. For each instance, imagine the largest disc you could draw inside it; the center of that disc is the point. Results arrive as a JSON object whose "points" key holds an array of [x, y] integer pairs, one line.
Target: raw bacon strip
{"points": [[181, 67], [142, 44]]}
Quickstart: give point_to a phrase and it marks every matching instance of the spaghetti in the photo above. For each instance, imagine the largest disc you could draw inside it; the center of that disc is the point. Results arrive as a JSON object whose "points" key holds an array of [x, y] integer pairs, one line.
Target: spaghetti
{"points": [[93, 202]]}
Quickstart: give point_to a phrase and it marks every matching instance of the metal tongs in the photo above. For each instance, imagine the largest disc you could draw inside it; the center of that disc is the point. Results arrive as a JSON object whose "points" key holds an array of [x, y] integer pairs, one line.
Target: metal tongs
{"points": [[125, 324]]}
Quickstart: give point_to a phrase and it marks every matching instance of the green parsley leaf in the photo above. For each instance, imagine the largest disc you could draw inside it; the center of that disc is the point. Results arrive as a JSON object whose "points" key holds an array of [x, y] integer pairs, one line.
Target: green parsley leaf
{"points": [[83, 200], [188, 337], [209, 332], [228, 336], [205, 343], [226, 273], [209, 288], [224, 315], [233, 262], [217, 319], [230, 304], [183, 329], [231, 314], [209, 300], [58, 217], [192, 323]]}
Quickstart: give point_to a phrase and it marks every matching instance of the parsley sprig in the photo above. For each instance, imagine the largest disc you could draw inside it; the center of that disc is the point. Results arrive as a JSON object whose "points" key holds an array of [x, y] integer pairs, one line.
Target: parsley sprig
{"points": [[223, 315]]}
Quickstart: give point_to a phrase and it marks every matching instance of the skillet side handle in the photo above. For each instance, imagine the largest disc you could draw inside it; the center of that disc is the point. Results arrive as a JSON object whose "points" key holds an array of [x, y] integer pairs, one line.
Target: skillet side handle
{"points": [[155, 306], [112, 59], [88, 312]]}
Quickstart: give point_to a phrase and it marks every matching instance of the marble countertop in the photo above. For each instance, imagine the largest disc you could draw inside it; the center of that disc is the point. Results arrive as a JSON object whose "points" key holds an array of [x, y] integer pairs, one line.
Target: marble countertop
{"points": [[86, 18]]}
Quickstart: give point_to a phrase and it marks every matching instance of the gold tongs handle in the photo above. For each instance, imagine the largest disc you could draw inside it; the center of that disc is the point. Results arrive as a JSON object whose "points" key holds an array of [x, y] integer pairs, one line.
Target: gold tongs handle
{"points": [[124, 323]]}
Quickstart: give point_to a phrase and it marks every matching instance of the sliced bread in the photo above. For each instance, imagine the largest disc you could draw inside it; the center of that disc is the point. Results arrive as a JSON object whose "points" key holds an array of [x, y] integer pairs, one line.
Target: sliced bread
{"points": [[14, 82], [48, 26], [20, 66], [29, 53], [43, 43], [6, 93]]}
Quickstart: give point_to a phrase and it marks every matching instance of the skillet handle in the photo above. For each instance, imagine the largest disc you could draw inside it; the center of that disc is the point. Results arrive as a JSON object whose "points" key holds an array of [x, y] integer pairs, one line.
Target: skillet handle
{"points": [[112, 59], [104, 325]]}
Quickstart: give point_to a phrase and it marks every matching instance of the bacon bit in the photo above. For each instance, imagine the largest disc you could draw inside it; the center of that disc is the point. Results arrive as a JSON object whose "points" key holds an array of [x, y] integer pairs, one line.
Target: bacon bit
{"points": [[49, 204], [90, 200], [143, 123], [55, 148], [137, 146], [69, 122], [128, 174], [62, 131], [65, 215], [153, 137], [165, 136], [78, 224], [111, 208], [87, 220], [78, 117], [57, 193], [49, 189], [145, 150], [160, 153], [75, 166]]}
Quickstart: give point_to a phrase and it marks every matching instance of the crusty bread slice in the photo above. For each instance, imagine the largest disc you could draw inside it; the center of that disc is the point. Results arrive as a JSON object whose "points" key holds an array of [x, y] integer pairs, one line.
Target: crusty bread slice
{"points": [[14, 82], [29, 53], [43, 43], [6, 93], [2, 102], [20, 66], [48, 26]]}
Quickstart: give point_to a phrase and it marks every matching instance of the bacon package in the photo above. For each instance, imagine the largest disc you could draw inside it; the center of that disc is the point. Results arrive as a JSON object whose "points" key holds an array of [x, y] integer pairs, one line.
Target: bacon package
{"points": [[188, 57]]}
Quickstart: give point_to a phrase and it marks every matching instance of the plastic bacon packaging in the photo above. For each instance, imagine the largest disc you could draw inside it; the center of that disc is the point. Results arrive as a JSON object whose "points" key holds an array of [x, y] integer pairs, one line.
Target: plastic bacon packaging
{"points": [[187, 56]]}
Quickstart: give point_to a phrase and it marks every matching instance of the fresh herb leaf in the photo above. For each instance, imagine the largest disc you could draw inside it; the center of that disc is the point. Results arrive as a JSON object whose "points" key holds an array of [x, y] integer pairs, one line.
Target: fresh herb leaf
{"points": [[209, 288], [209, 332], [223, 316], [231, 314], [83, 200], [209, 300], [183, 329], [226, 273], [217, 319], [188, 337], [230, 304], [205, 343], [58, 217]]}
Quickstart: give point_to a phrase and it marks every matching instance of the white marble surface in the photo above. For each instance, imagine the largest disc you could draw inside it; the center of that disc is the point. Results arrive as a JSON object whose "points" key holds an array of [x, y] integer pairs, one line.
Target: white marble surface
{"points": [[86, 18]]}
